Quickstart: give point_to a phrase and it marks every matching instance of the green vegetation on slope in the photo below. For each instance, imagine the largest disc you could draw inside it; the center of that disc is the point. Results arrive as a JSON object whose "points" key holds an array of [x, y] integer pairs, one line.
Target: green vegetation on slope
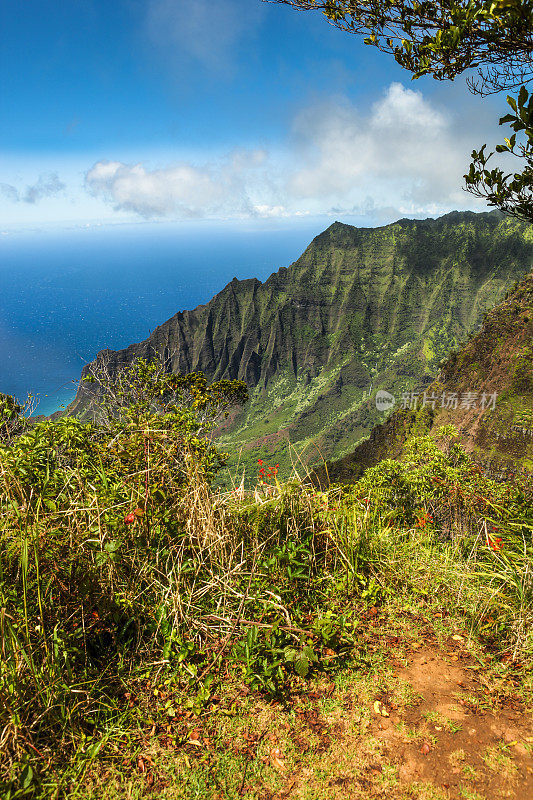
{"points": [[136, 601], [360, 310], [496, 362]]}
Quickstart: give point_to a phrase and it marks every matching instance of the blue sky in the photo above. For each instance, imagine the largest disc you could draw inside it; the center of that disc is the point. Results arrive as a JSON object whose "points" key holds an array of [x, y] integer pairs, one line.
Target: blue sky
{"points": [[142, 110]]}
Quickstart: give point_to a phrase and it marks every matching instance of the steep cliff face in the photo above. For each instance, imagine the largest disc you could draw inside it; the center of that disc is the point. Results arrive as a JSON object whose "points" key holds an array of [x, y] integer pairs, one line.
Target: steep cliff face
{"points": [[361, 309], [485, 389]]}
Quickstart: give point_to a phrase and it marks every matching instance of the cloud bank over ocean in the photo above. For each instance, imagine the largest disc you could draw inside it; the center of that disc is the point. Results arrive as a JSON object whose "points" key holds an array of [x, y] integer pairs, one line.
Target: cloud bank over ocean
{"points": [[233, 110], [403, 153]]}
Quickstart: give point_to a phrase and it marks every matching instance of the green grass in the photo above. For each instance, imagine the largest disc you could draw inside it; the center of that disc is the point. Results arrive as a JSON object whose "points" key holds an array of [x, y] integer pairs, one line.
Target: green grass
{"points": [[151, 625], [440, 721]]}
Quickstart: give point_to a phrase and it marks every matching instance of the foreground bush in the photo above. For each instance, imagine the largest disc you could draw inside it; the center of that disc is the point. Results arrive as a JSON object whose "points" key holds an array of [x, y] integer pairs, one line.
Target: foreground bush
{"points": [[438, 525], [118, 562]]}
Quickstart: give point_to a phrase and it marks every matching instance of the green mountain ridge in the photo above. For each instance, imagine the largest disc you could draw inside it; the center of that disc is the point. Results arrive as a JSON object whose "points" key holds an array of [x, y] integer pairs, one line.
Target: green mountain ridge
{"points": [[362, 309], [496, 361]]}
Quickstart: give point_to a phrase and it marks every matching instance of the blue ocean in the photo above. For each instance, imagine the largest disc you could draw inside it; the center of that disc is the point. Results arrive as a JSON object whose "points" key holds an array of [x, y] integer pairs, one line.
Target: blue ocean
{"points": [[65, 295]]}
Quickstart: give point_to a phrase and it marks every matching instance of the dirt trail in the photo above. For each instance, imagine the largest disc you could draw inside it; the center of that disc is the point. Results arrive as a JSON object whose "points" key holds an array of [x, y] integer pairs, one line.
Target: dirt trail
{"points": [[443, 743], [468, 746]]}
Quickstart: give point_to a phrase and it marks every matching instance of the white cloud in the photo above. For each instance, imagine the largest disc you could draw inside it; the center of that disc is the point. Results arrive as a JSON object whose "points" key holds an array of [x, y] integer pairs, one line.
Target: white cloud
{"points": [[401, 156], [46, 186], [177, 190], [202, 30], [403, 150], [180, 189]]}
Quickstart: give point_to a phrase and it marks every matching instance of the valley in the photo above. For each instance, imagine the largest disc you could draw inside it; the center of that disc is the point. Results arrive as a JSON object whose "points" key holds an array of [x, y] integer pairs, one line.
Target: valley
{"points": [[360, 310]]}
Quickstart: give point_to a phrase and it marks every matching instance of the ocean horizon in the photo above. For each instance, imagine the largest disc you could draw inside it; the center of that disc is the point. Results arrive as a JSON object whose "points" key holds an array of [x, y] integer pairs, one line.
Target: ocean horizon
{"points": [[66, 295]]}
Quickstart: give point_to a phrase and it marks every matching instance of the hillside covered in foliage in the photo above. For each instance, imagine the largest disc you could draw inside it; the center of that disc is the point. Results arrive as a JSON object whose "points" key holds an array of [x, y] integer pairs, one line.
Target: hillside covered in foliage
{"points": [[161, 638], [360, 310], [484, 388]]}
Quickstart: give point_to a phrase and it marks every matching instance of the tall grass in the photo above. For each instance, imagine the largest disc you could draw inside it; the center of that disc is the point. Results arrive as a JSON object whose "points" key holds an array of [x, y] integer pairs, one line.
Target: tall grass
{"points": [[118, 562], [433, 524], [89, 600]]}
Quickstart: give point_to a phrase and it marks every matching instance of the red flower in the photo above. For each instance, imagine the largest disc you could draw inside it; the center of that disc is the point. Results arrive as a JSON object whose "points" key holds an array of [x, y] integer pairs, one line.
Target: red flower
{"points": [[495, 542], [422, 519], [129, 519], [259, 461]]}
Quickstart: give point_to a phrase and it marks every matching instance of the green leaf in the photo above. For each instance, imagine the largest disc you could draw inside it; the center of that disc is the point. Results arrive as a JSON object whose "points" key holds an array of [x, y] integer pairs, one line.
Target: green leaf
{"points": [[309, 653], [26, 777], [301, 665], [290, 654]]}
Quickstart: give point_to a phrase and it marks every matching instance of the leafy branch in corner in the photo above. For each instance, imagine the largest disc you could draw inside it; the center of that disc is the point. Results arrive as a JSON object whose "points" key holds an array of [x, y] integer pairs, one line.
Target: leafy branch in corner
{"points": [[511, 192], [491, 39]]}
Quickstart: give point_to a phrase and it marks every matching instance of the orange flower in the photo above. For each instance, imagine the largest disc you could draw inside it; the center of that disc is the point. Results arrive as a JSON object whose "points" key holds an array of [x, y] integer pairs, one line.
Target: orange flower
{"points": [[495, 542], [423, 518]]}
